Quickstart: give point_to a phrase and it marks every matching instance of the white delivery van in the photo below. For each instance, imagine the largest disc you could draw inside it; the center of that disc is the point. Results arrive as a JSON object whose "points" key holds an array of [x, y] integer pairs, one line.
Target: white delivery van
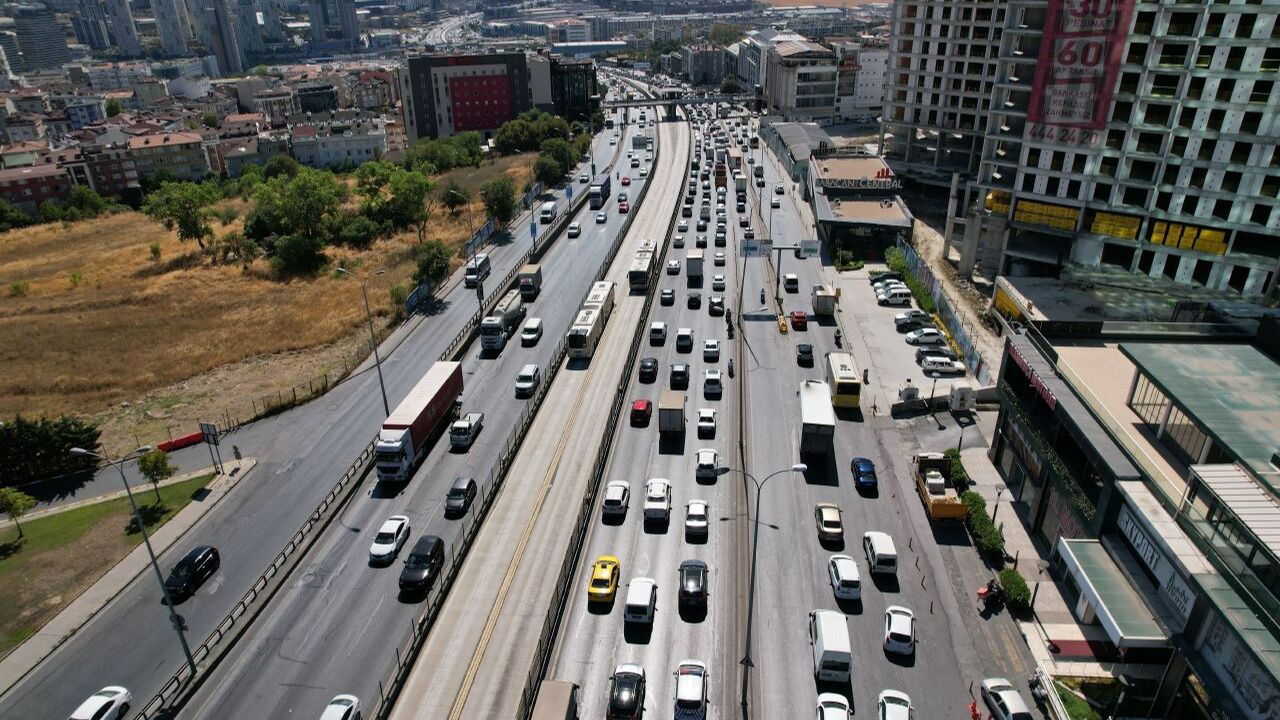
{"points": [[477, 269], [894, 296], [882, 557], [829, 636], [548, 211], [642, 601], [791, 283]]}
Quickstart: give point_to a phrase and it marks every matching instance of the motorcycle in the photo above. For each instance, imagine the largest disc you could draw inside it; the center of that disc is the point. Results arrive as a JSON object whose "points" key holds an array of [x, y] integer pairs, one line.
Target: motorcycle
{"points": [[992, 594], [761, 296], [839, 339]]}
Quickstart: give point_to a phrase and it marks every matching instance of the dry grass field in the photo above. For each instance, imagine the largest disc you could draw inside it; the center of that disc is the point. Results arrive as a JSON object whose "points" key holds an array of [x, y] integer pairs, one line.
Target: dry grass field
{"points": [[91, 325]]}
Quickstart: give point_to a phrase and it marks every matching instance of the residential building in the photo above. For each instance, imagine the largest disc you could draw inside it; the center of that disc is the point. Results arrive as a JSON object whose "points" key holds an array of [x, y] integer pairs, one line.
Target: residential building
{"points": [[242, 125], [90, 25], [860, 74], [317, 97], [445, 94], [568, 30], [374, 89], [170, 24], [272, 28], [180, 154], [148, 92], [117, 75], [86, 111], [800, 81], [332, 143], [124, 33], [277, 105], [23, 127], [752, 51], [27, 187], [704, 64], [221, 34], [348, 24], [111, 169], [41, 40]]}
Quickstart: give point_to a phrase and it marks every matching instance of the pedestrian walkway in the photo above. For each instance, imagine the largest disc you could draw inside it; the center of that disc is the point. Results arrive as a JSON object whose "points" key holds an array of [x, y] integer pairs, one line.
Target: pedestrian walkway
{"points": [[27, 656]]}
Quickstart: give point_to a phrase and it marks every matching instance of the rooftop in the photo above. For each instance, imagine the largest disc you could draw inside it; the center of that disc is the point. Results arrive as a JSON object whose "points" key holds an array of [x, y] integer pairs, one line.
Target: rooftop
{"points": [[891, 212], [849, 168]]}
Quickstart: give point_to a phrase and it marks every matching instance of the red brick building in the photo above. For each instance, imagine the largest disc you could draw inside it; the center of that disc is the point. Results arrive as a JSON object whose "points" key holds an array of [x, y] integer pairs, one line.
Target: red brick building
{"points": [[27, 187]]}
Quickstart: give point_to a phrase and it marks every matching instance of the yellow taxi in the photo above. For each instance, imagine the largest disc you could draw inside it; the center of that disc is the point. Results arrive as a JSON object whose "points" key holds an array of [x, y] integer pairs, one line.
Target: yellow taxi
{"points": [[604, 579]]}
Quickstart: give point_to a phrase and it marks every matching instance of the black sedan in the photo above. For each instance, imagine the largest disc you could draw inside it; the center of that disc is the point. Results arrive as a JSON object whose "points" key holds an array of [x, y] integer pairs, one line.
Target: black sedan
{"points": [[191, 571], [648, 369], [626, 691], [804, 355], [693, 583]]}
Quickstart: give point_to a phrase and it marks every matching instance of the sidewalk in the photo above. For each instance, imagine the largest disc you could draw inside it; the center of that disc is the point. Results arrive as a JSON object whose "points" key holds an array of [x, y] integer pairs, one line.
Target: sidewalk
{"points": [[27, 656]]}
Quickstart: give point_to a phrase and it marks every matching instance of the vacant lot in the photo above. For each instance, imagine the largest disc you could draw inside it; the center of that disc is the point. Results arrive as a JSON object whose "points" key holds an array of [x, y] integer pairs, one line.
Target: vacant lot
{"points": [[60, 556], [90, 324]]}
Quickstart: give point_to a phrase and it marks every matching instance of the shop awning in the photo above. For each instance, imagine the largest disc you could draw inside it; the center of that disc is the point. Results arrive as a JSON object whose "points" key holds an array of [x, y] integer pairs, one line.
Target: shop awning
{"points": [[1123, 614]]}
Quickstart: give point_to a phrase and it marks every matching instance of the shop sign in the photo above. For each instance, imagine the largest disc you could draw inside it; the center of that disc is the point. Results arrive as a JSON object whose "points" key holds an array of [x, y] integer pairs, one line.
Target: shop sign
{"points": [[1176, 591], [1045, 393], [884, 180]]}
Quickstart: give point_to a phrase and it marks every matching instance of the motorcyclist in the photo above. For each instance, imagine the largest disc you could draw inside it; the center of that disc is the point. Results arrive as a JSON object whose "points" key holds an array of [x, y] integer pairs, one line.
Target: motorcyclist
{"points": [[730, 367], [762, 296], [839, 337]]}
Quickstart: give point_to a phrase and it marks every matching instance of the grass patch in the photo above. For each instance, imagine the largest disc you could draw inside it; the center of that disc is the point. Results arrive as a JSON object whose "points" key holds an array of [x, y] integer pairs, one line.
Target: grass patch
{"points": [[1077, 708], [61, 555]]}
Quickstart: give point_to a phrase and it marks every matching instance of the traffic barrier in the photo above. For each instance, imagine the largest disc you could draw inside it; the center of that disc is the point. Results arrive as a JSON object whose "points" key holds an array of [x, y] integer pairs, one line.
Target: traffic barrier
{"points": [[177, 443]]}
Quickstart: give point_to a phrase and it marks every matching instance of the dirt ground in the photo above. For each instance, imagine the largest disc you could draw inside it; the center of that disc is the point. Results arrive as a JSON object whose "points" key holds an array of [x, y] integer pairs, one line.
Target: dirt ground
{"points": [[91, 325]]}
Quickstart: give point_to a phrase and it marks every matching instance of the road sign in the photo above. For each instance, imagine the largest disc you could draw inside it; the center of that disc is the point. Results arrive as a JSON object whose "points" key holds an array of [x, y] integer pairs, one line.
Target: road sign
{"points": [[757, 248], [533, 230], [568, 191], [809, 248], [210, 432]]}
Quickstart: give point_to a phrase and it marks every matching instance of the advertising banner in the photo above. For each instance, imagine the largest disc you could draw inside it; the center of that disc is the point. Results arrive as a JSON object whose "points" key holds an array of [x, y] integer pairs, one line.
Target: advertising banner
{"points": [[1080, 55]]}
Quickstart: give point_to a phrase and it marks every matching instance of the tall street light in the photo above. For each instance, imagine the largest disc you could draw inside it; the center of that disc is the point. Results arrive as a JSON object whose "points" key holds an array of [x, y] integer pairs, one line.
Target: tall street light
{"points": [[751, 592], [373, 341], [174, 620]]}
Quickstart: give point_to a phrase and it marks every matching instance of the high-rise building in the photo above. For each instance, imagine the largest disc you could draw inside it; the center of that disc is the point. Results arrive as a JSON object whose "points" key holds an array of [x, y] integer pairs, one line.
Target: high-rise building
{"points": [[319, 15], [90, 25], [348, 24], [272, 30], [124, 32], [447, 94], [42, 40], [169, 21], [800, 81], [221, 35], [250, 36], [12, 51]]}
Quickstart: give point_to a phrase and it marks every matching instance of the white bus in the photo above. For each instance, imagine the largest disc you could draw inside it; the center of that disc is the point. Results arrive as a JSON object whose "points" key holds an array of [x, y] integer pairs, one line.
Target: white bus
{"points": [[584, 334], [641, 272], [842, 376], [817, 418], [600, 296]]}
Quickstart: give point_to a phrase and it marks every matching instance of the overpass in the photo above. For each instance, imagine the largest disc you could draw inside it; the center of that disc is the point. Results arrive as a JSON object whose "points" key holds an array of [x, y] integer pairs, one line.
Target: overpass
{"points": [[671, 99]]}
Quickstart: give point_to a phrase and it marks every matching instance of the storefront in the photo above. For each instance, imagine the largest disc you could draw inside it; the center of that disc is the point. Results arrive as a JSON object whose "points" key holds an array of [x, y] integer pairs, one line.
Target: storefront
{"points": [[856, 204]]}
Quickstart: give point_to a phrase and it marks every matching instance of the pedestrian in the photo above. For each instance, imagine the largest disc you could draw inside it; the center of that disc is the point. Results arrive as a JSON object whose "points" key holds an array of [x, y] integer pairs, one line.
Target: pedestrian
{"points": [[235, 450]]}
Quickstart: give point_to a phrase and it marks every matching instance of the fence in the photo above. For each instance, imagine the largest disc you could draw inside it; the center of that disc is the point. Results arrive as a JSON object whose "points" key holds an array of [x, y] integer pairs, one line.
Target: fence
{"points": [[208, 653], [961, 330]]}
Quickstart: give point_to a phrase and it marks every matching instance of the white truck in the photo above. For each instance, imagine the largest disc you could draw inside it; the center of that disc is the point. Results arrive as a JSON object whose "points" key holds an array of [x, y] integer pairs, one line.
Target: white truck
{"points": [[824, 300], [403, 439], [740, 186], [463, 431], [529, 280], [498, 326], [693, 266]]}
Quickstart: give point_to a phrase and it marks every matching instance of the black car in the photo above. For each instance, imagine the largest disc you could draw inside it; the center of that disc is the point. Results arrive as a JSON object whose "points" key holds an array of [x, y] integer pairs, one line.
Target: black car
{"points": [[942, 351], [679, 376], [804, 354], [626, 692], [885, 276], [648, 369], [701, 240], [192, 570], [695, 300], [693, 583], [702, 224], [667, 297], [423, 564]]}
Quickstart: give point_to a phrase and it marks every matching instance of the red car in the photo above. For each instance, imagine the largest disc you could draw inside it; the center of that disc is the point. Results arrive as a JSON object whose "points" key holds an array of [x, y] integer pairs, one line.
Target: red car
{"points": [[626, 179], [623, 208], [799, 320], [641, 411]]}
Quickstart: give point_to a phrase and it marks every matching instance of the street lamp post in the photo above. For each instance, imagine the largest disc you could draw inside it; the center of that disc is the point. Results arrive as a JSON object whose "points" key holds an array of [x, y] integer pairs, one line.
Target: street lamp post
{"points": [[373, 341], [751, 592], [174, 620]]}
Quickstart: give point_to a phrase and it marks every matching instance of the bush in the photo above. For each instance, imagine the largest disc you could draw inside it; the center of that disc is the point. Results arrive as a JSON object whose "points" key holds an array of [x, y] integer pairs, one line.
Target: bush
{"points": [[299, 254], [432, 258], [959, 476], [32, 450], [356, 230], [974, 503], [986, 536], [548, 170], [19, 288], [1016, 593], [155, 252]]}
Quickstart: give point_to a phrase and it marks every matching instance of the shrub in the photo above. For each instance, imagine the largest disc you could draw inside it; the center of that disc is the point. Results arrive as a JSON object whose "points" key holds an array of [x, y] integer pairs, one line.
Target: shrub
{"points": [[432, 258], [155, 252], [1016, 593], [299, 254], [19, 288], [986, 536], [356, 230], [959, 476], [974, 503], [32, 450]]}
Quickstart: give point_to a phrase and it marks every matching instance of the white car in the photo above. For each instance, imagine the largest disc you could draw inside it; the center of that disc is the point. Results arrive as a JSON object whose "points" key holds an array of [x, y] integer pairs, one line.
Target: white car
{"points": [[775, 203], [706, 422], [917, 315], [712, 385], [899, 630], [109, 702], [925, 336], [717, 281], [531, 333], [342, 707], [390, 538], [881, 285], [644, 172], [673, 267], [602, 218], [711, 350], [695, 517], [657, 333], [832, 706], [584, 179], [657, 499], [691, 689], [617, 497], [719, 259], [682, 226], [1004, 700], [778, 190], [708, 464], [894, 705], [845, 583], [575, 229]]}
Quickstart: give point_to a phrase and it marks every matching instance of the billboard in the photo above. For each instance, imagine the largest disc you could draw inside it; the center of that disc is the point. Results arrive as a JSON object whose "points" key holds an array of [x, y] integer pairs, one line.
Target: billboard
{"points": [[1079, 65]]}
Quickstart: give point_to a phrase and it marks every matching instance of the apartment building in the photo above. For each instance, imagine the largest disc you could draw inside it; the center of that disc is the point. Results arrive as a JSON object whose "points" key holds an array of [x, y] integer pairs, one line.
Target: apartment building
{"points": [[446, 94], [800, 81], [27, 187], [705, 64], [861, 67], [337, 142], [180, 154]]}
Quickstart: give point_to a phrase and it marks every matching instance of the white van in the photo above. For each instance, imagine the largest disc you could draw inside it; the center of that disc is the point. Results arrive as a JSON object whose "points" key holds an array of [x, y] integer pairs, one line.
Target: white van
{"points": [[882, 557], [894, 296], [548, 212], [527, 380], [477, 269], [642, 601], [791, 283], [829, 636]]}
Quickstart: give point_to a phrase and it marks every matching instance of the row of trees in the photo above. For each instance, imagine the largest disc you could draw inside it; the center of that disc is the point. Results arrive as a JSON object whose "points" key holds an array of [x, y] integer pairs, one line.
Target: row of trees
{"points": [[32, 450], [82, 203]]}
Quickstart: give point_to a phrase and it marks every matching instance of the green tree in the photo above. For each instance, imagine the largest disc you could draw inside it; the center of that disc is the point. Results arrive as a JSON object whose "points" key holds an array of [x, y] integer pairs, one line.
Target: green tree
{"points": [[548, 170], [499, 196], [33, 450], [597, 121], [15, 504], [113, 108], [156, 468], [211, 119], [183, 206], [280, 165], [454, 196], [301, 205], [12, 216], [730, 86], [83, 202], [433, 262], [299, 254], [356, 230], [561, 150]]}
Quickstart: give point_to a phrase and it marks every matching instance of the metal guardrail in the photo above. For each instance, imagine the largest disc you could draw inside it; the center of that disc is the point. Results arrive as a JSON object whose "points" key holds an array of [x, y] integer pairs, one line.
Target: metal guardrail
{"points": [[209, 652], [555, 613]]}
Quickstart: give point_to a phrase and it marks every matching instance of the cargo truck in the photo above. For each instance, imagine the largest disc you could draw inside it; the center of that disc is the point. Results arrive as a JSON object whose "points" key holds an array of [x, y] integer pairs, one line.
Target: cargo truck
{"points": [[693, 266], [598, 191], [933, 483], [463, 431], [638, 140], [671, 412], [824, 300], [403, 440], [529, 281], [498, 326], [740, 185], [817, 419]]}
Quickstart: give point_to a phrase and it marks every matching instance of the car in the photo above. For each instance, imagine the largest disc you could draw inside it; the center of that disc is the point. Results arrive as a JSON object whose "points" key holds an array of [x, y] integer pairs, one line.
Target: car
{"points": [[673, 267], [603, 585], [575, 229], [706, 422], [644, 172], [881, 285], [775, 203], [711, 350], [641, 412], [760, 182], [623, 197], [667, 296], [613, 141], [778, 189], [919, 315], [531, 332], [799, 320], [677, 241], [791, 283], [109, 702], [624, 208], [925, 336], [700, 241], [601, 218], [390, 538], [694, 301], [894, 705], [928, 352], [691, 690], [626, 692], [635, 162], [864, 473], [718, 261], [584, 179], [198, 565], [885, 276], [706, 184], [684, 340], [702, 226], [717, 281], [899, 630], [707, 464], [1004, 700], [829, 520], [626, 180], [648, 369], [936, 365], [657, 499], [842, 570], [682, 226], [657, 333], [679, 376], [715, 305], [749, 233], [832, 706], [617, 496], [906, 326], [712, 383], [342, 707], [695, 518], [693, 573]]}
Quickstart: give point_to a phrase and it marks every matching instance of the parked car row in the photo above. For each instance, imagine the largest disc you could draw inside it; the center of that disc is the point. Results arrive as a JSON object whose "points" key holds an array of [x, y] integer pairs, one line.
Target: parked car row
{"points": [[918, 328]]}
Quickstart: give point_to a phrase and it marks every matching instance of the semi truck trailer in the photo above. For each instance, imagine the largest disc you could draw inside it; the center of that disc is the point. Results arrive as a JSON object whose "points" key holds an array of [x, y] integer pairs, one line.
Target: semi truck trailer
{"points": [[404, 438]]}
